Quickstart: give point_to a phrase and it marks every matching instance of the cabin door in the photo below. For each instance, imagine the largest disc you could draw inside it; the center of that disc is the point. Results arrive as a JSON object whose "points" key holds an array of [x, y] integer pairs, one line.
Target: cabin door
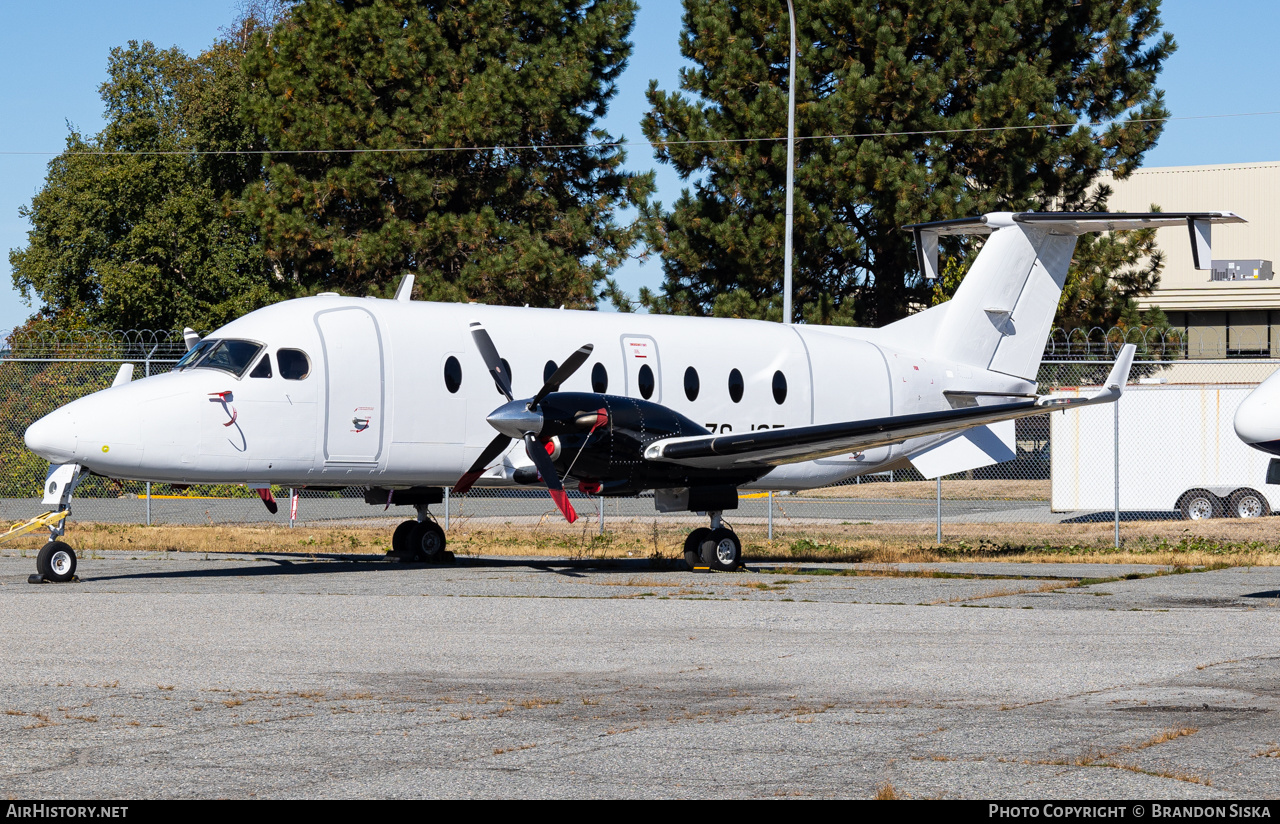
{"points": [[354, 402]]}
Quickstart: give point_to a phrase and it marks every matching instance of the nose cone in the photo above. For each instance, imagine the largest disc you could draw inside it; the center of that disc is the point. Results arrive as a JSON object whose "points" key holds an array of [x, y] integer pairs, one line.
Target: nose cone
{"points": [[515, 418], [53, 437], [1257, 419]]}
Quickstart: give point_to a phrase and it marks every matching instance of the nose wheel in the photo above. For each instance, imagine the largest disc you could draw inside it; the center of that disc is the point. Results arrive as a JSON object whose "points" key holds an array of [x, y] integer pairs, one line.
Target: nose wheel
{"points": [[717, 547], [56, 562]]}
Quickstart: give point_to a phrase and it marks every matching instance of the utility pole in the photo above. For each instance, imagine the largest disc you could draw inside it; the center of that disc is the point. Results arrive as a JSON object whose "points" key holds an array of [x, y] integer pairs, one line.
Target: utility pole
{"points": [[787, 316]]}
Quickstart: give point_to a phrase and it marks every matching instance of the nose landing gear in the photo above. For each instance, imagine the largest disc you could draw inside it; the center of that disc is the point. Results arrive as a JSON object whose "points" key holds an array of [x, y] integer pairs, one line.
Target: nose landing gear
{"points": [[56, 561], [717, 547]]}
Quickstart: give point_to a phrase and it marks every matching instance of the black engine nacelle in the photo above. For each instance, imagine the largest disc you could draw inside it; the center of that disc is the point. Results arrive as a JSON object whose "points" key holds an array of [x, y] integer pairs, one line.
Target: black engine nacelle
{"points": [[599, 441]]}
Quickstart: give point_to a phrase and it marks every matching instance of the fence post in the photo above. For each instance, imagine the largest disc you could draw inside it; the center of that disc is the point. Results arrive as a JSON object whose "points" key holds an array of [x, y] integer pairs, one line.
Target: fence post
{"points": [[939, 516], [1116, 467], [146, 373], [770, 516], [293, 507], [601, 500], [446, 508]]}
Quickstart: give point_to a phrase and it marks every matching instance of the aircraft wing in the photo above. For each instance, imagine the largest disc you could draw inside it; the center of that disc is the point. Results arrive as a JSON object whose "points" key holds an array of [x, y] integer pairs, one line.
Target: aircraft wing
{"points": [[771, 447]]}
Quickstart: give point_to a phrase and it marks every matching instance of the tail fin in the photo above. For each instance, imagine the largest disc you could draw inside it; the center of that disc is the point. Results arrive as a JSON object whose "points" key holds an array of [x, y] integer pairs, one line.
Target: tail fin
{"points": [[999, 318]]}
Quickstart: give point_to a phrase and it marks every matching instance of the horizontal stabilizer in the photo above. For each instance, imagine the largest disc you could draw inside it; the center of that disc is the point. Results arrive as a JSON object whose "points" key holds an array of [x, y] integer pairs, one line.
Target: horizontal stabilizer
{"points": [[972, 449]]}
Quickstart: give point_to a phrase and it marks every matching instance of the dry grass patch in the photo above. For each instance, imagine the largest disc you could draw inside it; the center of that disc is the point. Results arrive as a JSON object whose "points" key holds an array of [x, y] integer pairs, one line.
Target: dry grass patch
{"points": [[1252, 542], [993, 490]]}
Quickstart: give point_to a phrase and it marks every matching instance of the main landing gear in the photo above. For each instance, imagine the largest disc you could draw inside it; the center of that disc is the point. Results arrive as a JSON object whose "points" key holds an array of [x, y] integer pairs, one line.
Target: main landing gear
{"points": [[717, 547], [420, 541]]}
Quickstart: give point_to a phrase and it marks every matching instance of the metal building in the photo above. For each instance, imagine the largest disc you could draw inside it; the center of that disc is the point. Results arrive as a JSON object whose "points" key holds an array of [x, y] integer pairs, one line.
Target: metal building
{"points": [[1233, 310]]}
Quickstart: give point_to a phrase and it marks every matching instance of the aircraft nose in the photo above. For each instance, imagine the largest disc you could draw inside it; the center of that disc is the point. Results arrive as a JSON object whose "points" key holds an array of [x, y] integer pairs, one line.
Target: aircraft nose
{"points": [[1257, 420], [53, 438]]}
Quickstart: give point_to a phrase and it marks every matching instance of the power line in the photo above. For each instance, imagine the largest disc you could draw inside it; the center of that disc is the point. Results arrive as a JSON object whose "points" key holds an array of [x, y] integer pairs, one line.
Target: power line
{"points": [[623, 143]]}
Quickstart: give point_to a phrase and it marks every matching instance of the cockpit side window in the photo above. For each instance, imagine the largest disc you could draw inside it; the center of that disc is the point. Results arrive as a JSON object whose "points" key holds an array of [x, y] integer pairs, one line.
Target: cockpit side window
{"points": [[263, 369], [194, 354], [294, 364], [232, 356]]}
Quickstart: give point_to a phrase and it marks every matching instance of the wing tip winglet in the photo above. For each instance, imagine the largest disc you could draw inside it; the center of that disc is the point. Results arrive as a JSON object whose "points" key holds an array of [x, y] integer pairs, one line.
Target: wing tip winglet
{"points": [[1119, 374]]}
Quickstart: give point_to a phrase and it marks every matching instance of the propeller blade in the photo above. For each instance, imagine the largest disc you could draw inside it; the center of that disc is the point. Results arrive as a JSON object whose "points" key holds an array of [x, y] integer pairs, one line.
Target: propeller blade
{"points": [[493, 450], [491, 359], [533, 447], [570, 365]]}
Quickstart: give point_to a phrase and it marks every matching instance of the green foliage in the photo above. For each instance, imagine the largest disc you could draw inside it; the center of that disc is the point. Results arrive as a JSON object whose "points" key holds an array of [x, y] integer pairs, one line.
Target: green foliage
{"points": [[530, 222], [929, 73], [149, 240]]}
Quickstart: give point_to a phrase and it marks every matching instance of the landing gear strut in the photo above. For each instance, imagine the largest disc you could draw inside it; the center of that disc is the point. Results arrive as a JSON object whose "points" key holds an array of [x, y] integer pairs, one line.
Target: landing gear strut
{"points": [[717, 547], [419, 541], [56, 561]]}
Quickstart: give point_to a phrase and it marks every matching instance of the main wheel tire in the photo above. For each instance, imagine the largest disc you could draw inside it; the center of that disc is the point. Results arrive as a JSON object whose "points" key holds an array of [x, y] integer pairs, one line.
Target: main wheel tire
{"points": [[56, 562], [1247, 503], [427, 542], [1199, 505], [693, 547], [722, 550], [400, 538]]}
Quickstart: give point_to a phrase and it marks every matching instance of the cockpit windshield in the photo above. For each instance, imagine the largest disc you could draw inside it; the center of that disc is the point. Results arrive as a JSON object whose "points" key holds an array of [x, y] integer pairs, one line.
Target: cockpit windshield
{"points": [[194, 354], [232, 356]]}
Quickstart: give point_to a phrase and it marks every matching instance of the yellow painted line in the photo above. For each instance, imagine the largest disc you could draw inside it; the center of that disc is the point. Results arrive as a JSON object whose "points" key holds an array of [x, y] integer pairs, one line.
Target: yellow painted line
{"points": [[753, 495]]}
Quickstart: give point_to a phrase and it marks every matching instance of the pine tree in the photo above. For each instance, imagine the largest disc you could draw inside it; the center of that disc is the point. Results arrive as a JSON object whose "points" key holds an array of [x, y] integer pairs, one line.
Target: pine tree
{"points": [[895, 100], [401, 93]]}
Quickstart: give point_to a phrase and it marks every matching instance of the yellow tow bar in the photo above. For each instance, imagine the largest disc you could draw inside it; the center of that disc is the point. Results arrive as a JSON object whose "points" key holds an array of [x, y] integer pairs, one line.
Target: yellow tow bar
{"points": [[48, 519]]}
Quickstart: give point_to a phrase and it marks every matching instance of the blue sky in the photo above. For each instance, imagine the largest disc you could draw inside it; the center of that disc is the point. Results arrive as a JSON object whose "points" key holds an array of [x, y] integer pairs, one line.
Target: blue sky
{"points": [[53, 57]]}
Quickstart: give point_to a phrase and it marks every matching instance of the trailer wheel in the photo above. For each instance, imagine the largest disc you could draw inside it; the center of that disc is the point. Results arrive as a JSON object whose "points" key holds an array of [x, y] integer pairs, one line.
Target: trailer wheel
{"points": [[1247, 503], [1199, 504]]}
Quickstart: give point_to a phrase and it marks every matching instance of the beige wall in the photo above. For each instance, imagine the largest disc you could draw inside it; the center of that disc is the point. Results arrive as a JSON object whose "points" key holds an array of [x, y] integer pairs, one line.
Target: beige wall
{"points": [[1251, 190]]}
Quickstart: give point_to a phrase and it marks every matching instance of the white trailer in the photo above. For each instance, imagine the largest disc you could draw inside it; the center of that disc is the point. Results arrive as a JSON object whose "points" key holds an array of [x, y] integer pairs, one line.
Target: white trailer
{"points": [[1178, 451]]}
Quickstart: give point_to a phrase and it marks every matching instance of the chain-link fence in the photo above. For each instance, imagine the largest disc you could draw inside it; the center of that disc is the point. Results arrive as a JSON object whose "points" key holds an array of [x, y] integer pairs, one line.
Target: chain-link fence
{"points": [[1167, 451]]}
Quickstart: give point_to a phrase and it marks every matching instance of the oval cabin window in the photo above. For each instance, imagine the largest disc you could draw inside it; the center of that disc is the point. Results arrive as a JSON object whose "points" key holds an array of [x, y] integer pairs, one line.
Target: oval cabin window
{"points": [[735, 386], [645, 381], [599, 379], [452, 374], [691, 383], [779, 387]]}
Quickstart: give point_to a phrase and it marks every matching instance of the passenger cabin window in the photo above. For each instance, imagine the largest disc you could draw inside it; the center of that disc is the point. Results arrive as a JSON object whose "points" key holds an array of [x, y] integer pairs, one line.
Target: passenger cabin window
{"points": [[232, 356], [263, 369], [735, 386], [599, 379], [691, 383], [294, 364], [645, 380], [779, 387], [452, 374]]}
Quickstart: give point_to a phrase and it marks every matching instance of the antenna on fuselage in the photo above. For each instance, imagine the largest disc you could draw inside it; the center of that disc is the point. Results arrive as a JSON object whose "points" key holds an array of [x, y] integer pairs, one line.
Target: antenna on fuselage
{"points": [[404, 291]]}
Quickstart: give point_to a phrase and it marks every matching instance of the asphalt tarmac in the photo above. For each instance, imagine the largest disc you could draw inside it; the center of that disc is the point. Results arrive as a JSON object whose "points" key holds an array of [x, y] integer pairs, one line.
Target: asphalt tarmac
{"points": [[295, 676]]}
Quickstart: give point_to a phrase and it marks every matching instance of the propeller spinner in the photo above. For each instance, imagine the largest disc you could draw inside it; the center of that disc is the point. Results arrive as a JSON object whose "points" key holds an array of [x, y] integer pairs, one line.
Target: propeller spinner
{"points": [[522, 420]]}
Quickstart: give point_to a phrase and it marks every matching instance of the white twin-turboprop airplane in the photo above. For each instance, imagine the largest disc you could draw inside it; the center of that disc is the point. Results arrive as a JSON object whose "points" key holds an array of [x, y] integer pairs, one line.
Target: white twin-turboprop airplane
{"points": [[409, 397]]}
